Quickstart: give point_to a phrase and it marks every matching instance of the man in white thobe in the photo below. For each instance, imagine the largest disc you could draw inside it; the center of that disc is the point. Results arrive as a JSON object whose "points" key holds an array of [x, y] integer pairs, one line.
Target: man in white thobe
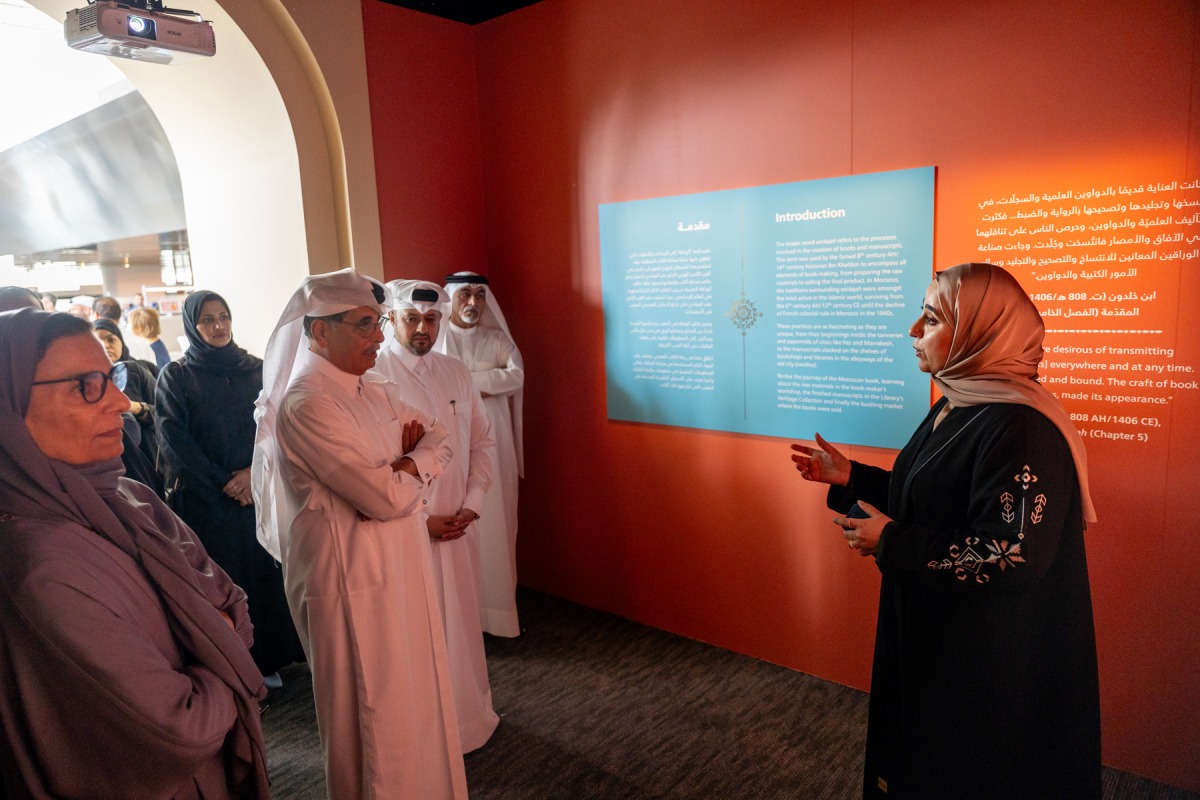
{"points": [[342, 474], [477, 335], [441, 387]]}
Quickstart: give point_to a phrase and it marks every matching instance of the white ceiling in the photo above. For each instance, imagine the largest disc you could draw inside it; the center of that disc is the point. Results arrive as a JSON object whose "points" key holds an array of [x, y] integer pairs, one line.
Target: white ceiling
{"points": [[45, 83]]}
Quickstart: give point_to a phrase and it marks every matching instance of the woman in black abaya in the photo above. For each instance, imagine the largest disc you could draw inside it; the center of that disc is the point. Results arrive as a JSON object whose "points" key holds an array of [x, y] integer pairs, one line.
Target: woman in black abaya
{"points": [[984, 684], [205, 406], [140, 455]]}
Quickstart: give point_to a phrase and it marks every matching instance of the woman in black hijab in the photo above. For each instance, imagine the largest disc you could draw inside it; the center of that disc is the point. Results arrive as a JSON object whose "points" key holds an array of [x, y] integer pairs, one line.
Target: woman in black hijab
{"points": [[205, 406], [141, 444]]}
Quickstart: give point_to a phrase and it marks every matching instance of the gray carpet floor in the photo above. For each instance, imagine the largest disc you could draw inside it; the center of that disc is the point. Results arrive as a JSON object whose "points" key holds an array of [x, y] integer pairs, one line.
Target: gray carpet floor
{"points": [[595, 707]]}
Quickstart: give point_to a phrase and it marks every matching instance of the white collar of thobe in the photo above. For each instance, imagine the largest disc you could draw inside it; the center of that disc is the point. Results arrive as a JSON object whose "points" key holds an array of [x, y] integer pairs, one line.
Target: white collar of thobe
{"points": [[409, 359], [313, 362], [461, 331]]}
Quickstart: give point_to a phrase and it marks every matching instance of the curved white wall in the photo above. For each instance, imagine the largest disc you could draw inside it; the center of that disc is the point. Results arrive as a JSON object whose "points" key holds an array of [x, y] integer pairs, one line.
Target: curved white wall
{"points": [[266, 206]]}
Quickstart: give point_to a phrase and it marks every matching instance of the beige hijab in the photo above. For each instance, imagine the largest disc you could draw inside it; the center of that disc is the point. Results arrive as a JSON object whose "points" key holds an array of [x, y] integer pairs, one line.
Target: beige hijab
{"points": [[996, 350]]}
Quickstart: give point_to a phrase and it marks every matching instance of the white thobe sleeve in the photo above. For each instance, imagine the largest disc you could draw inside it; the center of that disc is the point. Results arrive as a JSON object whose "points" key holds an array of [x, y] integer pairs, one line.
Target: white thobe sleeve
{"points": [[434, 451], [316, 435], [509, 373], [482, 464]]}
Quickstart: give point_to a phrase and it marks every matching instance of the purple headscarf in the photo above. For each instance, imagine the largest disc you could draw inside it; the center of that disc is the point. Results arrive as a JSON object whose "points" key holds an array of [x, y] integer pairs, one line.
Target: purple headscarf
{"points": [[37, 487]]}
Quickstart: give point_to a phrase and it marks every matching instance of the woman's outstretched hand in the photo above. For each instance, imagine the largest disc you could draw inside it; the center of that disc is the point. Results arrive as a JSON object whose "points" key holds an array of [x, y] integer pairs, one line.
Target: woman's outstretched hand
{"points": [[823, 465]]}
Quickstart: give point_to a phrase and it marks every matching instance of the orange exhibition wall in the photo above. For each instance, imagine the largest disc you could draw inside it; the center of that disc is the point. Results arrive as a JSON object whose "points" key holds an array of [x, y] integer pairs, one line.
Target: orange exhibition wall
{"points": [[425, 124], [1066, 138]]}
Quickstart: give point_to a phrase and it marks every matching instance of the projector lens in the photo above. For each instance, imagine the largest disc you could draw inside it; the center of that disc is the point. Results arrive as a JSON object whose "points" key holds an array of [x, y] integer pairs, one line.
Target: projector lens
{"points": [[141, 27]]}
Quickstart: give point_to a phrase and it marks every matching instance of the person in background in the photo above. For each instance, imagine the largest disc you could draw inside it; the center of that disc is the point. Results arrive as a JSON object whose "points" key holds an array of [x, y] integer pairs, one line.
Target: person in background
{"points": [[124, 661], [106, 308], [441, 387], [14, 297], [49, 302], [342, 474], [985, 680], [205, 407], [139, 386], [81, 306], [478, 335], [145, 343]]}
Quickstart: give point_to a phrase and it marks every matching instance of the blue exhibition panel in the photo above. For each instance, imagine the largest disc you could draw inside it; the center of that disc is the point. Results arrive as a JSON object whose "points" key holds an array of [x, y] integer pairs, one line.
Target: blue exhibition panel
{"points": [[774, 310]]}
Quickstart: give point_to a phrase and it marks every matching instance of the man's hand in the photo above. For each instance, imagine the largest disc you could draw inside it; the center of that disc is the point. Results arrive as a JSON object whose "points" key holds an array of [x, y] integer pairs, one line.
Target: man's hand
{"points": [[406, 464], [449, 528], [411, 437]]}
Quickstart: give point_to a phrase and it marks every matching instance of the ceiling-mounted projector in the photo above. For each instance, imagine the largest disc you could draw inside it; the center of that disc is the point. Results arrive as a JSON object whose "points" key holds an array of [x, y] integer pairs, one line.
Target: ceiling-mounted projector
{"points": [[143, 31]]}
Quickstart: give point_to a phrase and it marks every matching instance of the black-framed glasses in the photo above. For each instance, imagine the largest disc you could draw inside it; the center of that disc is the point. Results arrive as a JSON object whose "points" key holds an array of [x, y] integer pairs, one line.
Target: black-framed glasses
{"points": [[93, 385], [365, 328]]}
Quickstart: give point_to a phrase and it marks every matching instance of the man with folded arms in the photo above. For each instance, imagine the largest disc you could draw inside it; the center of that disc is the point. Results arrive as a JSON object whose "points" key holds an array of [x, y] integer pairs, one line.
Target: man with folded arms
{"points": [[342, 474]]}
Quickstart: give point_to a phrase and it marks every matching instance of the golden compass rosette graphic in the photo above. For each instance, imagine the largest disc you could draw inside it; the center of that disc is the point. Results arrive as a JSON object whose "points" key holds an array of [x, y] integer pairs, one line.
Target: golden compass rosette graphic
{"points": [[743, 314]]}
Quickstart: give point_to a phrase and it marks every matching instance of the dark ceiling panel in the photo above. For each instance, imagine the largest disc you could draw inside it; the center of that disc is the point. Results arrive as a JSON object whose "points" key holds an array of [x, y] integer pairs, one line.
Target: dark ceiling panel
{"points": [[468, 11]]}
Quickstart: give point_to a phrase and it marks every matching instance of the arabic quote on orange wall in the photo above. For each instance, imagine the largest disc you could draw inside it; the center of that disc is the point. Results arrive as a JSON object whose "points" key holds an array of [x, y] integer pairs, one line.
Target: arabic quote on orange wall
{"points": [[1103, 265]]}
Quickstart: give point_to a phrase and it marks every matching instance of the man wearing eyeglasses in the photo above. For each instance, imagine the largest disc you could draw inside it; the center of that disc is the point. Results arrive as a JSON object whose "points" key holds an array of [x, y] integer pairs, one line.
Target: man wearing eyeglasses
{"points": [[342, 472]]}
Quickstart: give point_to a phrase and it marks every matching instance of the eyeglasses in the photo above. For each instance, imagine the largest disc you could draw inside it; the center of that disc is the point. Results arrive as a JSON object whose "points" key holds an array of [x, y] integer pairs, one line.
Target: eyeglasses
{"points": [[93, 385], [365, 328]]}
